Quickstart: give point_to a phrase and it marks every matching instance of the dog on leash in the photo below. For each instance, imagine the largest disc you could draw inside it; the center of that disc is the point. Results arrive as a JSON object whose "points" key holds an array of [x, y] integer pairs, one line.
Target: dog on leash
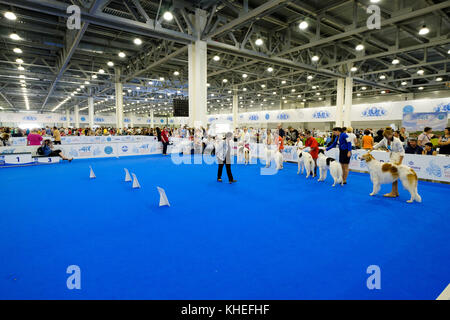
{"points": [[324, 163], [384, 173], [306, 161], [276, 155], [243, 153]]}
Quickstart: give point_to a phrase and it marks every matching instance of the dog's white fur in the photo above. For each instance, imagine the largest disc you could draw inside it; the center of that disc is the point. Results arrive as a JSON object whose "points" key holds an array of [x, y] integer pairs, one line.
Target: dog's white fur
{"points": [[335, 169], [305, 161], [276, 155], [405, 174], [243, 154]]}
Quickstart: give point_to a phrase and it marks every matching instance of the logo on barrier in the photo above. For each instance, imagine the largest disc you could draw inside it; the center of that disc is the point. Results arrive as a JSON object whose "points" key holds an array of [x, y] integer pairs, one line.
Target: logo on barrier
{"points": [[434, 170], [322, 114], [124, 148], [29, 118], [108, 149], [411, 164], [442, 108], [374, 112], [283, 116], [408, 109], [253, 117]]}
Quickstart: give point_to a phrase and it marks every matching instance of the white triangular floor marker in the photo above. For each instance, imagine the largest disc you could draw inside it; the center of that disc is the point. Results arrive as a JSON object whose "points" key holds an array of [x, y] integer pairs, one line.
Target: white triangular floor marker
{"points": [[135, 182], [92, 174], [162, 197], [127, 175]]}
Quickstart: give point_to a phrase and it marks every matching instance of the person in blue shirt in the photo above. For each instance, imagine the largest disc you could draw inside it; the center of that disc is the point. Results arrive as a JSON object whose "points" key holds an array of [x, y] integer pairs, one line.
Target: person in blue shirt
{"points": [[345, 150], [47, 150]]}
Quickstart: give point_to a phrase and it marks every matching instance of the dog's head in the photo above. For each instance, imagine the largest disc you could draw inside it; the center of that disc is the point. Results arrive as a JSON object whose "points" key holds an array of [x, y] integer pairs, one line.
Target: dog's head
{"points": [[367, 157], [321, 151]]}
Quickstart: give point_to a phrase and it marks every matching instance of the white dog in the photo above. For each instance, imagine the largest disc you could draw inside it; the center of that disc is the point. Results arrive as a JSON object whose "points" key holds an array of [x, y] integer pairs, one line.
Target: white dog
{"points": [[276, 155], [383, 173], [324, 162], [243, 154], [308, 163]]}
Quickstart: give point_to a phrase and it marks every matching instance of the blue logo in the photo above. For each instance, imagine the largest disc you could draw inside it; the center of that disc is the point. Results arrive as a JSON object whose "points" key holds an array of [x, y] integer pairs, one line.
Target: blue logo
{"points": [[29, 118], [442, 108], [441, 117], [99, 119], [126, 120], [108, 150], [124, 148], [108, 139], [230, 118], [83, 119], [162, 120], [283, 116], [408, 109], [267, 116], [85, 149], [411, 163], [63, 119], [434, 170], [171, 120], [253, 117], [374, 112], [321, 114]]}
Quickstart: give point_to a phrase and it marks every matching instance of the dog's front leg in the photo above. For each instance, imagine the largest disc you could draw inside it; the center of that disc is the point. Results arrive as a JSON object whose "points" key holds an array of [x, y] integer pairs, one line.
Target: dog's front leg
{"points": [[376, 187]]}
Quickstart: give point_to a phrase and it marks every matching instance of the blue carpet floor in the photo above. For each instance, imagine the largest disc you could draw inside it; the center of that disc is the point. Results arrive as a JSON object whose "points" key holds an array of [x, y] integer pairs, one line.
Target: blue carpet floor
{"points": [[266, 237]]}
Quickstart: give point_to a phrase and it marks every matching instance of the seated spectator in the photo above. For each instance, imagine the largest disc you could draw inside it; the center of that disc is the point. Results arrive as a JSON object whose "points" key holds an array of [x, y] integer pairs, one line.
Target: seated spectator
{"points": [[367, 141], [47, 150], [412, 147], [34, 139], [444, 142], [4, 139], [429, 150]]}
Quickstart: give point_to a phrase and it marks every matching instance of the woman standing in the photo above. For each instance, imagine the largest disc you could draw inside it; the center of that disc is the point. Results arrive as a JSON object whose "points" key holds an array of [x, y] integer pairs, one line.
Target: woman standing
{"points": [[367, 140], [444, 142], [397, 153], [345, 151]]}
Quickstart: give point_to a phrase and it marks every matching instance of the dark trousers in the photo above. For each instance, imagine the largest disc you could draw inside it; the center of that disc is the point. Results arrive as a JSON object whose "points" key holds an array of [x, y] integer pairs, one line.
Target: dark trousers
{"points": [[228, 167], [165, 144]]}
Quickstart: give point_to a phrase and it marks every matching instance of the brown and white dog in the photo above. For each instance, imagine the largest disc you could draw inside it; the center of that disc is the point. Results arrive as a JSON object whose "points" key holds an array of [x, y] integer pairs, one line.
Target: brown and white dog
{"points": [[383, 173]]}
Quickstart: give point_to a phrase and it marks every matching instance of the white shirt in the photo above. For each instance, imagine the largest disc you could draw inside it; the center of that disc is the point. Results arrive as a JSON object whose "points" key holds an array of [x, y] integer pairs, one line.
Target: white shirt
{"points": [[351, 138], [396, 148]]}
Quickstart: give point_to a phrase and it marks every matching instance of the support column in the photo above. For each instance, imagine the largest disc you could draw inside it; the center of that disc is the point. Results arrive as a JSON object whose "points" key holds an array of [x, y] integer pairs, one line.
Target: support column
{"points": [[152, 123], [340, 102], [197, 64], [235, 107], [76, 115], [131, 123], [91, 111], [348, 101], [119, 99], [67, 118]]}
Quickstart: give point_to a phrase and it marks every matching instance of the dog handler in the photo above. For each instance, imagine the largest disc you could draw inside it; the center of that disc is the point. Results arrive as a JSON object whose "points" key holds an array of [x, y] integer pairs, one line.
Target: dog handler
{"points": [[345, 151], [394, 146]]}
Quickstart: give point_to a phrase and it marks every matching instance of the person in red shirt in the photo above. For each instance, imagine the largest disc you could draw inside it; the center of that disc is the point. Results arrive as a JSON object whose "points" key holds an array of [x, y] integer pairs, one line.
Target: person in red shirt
{"points": [[34, 139], [314, 145], [165, 140]]}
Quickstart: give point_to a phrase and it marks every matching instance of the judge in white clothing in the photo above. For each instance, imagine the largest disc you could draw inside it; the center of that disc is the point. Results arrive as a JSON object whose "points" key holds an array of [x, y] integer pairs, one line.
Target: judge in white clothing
{"points": [[223, 154], [394, 146]]}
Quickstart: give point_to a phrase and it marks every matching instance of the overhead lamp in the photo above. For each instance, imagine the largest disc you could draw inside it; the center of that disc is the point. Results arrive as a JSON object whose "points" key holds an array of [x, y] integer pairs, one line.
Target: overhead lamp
{"points": [[15, 36], [274, 93], [420, 88], [310, 77], [161, 78], [259, 42], [354, 69], [263, 86], [10, 15], [86, 82], [150, 83], [395, 61], [269, 69], [283, 82], [176, 73], [439, 79], [122, 54], [424, 30], [358, 94], [224, 80], [168, 16], [420, 72], [404, 83], [101, 71], [244, 89], [315, 58], [292, 90], [303, 25], [110, 64], [359, 47], [94, 76], [20, 68], [137, 41], [18, 60], [383, 92], [216, 58], [17, 50], [382, 77], [244, 75]]}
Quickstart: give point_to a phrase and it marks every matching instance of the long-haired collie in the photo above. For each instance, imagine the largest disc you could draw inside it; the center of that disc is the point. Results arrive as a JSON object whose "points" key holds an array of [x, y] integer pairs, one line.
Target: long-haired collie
{"points": [[383, 173], [306, 161], [324, 162]]}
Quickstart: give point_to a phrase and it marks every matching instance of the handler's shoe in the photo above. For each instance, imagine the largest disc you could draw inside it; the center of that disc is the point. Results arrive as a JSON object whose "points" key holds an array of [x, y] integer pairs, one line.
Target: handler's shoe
{"points": [[232, 181], [219, 180]]}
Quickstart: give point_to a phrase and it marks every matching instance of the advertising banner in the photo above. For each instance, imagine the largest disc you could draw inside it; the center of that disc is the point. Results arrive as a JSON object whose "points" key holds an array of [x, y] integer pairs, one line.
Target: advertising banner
{"points": [[418, 121]]}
